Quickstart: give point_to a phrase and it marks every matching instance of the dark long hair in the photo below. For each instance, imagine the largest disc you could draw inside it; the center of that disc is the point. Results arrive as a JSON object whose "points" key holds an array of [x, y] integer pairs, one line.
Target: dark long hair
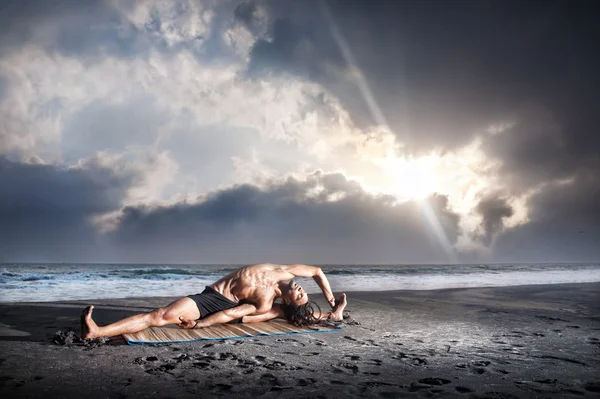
{"points": [[302, 315]]}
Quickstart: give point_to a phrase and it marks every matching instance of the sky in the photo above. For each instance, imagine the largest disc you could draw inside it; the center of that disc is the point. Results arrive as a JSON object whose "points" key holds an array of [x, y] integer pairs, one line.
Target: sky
{"points": [[299, 131]]}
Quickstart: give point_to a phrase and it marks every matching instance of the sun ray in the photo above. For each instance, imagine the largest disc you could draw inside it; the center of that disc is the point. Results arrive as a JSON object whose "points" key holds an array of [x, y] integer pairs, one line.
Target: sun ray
{"points": [[421, 181]]}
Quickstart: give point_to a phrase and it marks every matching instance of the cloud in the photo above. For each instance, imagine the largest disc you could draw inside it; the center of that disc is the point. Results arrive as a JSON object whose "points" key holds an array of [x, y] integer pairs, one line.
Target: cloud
{"points": [[220, 112], [325, 218], [493, 211], [46, 210], [564, 225]]}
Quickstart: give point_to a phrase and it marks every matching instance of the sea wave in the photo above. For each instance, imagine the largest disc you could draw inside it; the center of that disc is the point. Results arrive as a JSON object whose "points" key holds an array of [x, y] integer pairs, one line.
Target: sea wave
{"points": [[47, 282]]}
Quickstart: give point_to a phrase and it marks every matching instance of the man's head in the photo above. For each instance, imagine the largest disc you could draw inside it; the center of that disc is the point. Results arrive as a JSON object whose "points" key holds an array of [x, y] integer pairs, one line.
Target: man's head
{"points": [[292, 294], [296, 308]]}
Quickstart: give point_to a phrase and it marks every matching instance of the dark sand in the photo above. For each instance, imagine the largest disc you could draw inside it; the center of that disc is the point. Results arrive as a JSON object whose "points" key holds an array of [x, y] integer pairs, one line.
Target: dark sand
{"points": [[526, 342]]}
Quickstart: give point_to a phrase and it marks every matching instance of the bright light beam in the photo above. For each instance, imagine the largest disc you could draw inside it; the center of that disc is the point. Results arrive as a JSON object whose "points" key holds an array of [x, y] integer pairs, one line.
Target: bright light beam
{"points": [[361, 82], [377, 115], [438, 231]]}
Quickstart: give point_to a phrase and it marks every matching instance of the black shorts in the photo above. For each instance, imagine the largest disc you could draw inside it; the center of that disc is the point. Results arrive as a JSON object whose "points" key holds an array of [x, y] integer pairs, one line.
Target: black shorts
{"points": [[210, 301]]}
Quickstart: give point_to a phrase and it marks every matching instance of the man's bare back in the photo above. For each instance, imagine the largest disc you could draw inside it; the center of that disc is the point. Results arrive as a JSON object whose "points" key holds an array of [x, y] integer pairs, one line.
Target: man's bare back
{"points": [[254, 284]]}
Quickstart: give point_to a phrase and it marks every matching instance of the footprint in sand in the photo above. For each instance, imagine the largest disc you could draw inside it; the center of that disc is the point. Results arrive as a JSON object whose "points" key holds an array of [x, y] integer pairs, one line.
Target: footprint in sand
{"points": [[201, 365], [564, 359], [162, 369], [463, 390], [496, 395], [144, 360], [220, 388], [551, 318], [374, 384], [417, 386], [348, 366], [228, 356], [303, 382], [434, 381], [415, 360], [4, 379], [279, 388], [180, 358], [593, 386], [312, 354], [290, 341], [369, 342], [268, 379], [274, 365]]}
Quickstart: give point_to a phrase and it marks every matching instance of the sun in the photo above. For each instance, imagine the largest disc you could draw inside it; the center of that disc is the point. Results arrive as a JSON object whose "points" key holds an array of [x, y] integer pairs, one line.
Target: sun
{"points": [[411, 178]]}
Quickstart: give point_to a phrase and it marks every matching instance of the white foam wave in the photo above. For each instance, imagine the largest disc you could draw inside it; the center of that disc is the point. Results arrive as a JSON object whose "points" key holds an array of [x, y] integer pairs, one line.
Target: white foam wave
{"points": [[99, 285]]}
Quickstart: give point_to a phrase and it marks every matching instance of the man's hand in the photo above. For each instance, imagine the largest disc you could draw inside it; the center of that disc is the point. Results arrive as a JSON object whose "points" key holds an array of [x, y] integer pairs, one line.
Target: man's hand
{"points": [[187, 323]]}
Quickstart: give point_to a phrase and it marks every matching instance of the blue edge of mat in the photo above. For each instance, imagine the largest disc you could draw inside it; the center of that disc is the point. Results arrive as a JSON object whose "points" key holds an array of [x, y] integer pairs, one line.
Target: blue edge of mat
{"points": [[136, 343]]}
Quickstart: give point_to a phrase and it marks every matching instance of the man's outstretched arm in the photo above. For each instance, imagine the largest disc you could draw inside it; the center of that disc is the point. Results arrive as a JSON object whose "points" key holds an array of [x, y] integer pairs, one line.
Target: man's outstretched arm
{"points": [[298, 270], [276, 312], [222, 317]]}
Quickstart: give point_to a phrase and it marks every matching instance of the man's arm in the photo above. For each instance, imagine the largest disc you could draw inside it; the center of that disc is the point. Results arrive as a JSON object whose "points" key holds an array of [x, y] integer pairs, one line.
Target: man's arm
{"points": [[222, 317], [275, 312], [317, 274]]}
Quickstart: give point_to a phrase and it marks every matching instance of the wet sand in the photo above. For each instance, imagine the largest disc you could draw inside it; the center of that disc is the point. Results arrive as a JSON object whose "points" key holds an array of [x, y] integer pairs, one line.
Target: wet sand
{"points": [[507, 342]]}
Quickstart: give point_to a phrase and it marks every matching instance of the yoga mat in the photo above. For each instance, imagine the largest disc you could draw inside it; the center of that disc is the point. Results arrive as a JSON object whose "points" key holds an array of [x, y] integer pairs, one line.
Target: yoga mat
{"points": [[172, 334]]}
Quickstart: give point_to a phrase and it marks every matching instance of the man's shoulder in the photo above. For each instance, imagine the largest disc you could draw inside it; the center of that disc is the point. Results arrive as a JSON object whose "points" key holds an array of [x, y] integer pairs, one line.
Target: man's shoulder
{"points": [[266, 267]]}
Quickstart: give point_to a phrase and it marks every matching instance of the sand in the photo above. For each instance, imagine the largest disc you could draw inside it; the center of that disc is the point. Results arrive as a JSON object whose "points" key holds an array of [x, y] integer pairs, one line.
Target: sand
{"points": [[523, 342]]}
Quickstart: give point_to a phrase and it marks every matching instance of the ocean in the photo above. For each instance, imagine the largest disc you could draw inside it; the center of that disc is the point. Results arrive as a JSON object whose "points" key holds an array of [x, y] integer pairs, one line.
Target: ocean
{"points": [[60, 282]]}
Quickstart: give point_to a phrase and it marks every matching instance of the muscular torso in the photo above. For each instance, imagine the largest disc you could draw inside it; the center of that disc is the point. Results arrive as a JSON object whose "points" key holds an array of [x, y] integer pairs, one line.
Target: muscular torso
{"points": [[253, 284]]}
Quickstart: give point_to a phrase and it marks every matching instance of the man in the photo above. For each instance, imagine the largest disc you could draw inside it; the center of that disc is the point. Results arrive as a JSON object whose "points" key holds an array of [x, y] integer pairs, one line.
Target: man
{"points": [[247, 294]]}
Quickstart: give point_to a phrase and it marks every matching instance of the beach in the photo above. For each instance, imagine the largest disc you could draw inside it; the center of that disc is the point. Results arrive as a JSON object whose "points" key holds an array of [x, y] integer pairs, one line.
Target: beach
{"points": [[495, 342]]}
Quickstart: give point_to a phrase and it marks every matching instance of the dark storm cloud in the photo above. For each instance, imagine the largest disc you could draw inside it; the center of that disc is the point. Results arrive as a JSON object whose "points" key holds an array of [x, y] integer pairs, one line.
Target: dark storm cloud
{"points": [[247, 14], [564, 226], [45, 210], [443, 70], [278, 53], [279, 223], [493, 211]]}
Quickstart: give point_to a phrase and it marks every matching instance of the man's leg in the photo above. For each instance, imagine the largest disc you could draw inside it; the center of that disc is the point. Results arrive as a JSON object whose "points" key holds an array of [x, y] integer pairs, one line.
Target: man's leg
{"points": [[184, 307]]}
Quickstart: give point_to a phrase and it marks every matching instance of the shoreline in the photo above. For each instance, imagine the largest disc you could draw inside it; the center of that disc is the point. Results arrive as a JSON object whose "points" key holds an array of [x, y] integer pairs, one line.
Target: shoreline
{"points": [[318, 295], [486, 342]]}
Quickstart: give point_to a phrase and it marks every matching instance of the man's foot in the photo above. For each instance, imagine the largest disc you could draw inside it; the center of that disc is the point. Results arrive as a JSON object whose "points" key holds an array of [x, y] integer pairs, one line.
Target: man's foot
{"points": [[89, 328], [337, 312]]}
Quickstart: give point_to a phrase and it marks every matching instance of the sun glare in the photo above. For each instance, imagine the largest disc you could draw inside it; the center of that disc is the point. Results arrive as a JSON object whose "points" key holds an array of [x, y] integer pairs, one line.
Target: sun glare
{"points": [[411, 178]]}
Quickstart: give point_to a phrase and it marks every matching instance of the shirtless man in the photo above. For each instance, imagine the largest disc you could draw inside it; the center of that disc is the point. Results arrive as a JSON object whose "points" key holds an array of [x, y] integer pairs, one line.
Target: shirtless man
{"points": [[247, 294]]}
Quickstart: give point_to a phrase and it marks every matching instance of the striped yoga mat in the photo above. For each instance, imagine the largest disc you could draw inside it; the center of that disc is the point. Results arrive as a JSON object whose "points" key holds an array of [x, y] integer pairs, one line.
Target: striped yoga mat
{"points": [[172, 334]]}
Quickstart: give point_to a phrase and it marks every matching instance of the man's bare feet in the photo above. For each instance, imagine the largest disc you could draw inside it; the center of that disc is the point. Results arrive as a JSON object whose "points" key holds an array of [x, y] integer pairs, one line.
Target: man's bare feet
{"points": [[338, 311], [88, 327]]}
